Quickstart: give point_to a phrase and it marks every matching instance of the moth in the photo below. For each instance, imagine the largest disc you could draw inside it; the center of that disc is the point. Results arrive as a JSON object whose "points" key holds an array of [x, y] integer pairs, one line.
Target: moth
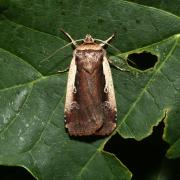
{"points": [[90, 105]]}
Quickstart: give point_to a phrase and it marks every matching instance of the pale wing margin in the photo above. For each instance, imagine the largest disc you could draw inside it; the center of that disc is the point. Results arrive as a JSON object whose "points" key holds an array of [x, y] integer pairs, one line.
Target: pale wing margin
{"points": [[70, 84], [109, 83]]}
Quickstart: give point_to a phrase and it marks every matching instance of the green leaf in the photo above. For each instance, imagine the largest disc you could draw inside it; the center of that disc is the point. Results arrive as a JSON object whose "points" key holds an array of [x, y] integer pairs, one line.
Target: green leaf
{"points": [[172, 134], [154, 91], [32, 133], [166, 5]]}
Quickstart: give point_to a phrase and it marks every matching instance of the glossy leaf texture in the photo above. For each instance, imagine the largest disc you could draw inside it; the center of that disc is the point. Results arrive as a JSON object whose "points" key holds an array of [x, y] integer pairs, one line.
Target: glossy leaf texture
{"points": [[32, 133]]}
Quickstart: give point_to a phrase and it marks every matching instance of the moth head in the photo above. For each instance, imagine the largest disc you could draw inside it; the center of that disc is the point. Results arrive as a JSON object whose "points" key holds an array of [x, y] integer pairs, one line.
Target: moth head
{"points": [[89, 42], [88, 39]]}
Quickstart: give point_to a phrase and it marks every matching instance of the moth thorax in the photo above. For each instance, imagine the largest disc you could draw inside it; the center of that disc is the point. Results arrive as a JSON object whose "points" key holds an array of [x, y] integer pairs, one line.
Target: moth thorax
{"points": [[88, 39]]}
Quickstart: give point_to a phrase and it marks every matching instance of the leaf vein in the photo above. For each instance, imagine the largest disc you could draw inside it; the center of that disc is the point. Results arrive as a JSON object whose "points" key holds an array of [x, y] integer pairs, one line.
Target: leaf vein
{"points": [[18, 113], [48, 122], [27, 83], [22, 60], [86, 164], [33, 29]]}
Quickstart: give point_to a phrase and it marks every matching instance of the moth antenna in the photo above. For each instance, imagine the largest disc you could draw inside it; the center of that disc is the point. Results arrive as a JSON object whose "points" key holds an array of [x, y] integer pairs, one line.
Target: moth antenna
{"points": [[57, 50], [106, 42], [72, 40]]}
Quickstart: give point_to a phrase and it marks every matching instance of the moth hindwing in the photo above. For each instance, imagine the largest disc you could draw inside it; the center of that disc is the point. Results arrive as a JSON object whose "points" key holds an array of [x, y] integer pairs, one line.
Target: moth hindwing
{"points": [[90, 106]]}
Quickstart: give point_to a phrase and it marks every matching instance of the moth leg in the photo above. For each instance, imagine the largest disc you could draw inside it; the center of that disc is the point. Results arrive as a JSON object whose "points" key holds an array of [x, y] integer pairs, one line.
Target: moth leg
{"points": [[65, 70], [117, 67]]}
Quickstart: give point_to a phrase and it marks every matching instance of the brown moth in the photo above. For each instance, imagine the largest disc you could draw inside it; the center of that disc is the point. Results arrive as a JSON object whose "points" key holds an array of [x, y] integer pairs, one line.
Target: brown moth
{"points": [[90, 106]]}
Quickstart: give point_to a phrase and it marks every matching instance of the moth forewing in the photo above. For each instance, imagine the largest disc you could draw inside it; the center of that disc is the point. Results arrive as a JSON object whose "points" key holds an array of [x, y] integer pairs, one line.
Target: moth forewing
{"points": [[70, 86], [109, 105], [90, 107], [109, 87]]}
